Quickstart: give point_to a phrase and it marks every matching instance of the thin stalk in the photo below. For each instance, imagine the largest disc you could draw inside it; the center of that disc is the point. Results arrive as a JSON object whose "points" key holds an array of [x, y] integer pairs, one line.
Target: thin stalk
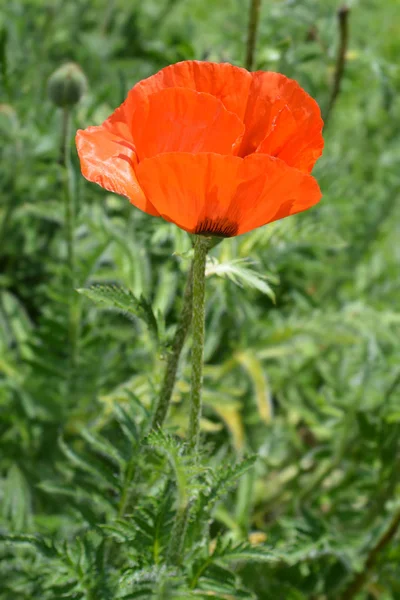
{"points": [[201, 247], [254, 19], [177, 542], [343, 22], [197, 292], [171, 368], [65, 159], [69, 207], [361, 579]]}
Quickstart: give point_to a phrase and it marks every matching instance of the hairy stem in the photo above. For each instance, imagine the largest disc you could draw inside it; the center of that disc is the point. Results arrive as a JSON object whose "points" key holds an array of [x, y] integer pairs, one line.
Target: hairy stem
{"points": [[201, 247], [171, 368], [177, 542], [65, 158], [69, 207], [65, 137], [357, 584], [196, 290], [343, 21], [254, 18]]}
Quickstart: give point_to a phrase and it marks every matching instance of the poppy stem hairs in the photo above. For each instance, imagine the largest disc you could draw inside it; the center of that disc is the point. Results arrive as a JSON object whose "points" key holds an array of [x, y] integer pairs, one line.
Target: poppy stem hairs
{"points": [[65, 88], [171, 367], [201, 248], [65, 159]]}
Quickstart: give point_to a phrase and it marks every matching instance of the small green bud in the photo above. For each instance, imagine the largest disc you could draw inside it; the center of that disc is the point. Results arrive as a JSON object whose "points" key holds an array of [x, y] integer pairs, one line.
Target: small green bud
{"points": [[67, 85]]}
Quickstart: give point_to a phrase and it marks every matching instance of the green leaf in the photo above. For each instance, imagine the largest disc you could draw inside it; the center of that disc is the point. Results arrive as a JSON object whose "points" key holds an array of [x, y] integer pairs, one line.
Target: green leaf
{"points": [[35, 542], [185, 465], [16, 501], [256, 371], [226, 477], [105, 448], [242, 274], [124, 301], [245, 552], [99, 472]]}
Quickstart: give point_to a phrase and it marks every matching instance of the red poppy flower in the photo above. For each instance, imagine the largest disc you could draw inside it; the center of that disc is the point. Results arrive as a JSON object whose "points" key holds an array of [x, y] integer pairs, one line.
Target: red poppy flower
{"points": [[210, 147]]}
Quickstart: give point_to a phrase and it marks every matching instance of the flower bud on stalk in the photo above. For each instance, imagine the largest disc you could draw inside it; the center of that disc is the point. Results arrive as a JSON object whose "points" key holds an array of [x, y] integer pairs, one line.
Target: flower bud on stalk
{"points": [[67, 85], [65, 88]]}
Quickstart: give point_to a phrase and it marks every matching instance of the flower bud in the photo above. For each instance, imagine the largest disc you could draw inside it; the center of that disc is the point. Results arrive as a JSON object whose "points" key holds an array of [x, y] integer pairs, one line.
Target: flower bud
{"points": [[67, 85]]}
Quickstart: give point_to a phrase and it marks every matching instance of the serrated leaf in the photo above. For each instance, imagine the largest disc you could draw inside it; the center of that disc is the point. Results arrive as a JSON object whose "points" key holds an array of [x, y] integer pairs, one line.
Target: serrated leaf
{"points": [[35, 542], [103, 447], [108, 479], [246, 552], [124, 301], [185, 465], [16, 499], [241, 273], [226, 477]]}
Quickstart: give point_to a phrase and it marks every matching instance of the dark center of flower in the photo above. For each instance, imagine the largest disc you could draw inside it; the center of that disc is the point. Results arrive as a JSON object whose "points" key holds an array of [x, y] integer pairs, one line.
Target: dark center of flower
{"points": [[222, 227]]}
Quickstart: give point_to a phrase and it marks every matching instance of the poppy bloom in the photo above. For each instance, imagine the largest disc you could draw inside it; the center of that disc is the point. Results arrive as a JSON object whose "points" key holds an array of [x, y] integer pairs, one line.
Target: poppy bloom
{"points": [[210, 147]]}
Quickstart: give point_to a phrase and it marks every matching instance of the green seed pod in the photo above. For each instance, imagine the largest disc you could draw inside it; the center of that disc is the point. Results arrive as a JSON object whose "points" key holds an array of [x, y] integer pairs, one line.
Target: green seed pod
{"points": [[67, 85]]}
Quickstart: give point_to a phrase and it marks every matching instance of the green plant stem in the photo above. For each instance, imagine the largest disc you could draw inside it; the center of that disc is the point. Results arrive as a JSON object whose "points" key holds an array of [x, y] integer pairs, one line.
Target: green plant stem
{"points": [[361, 579], [201, 247], [254, 18], [343, 22], [69, 208], [65, 159], [171, 368], [193, 310], [177, 542]]}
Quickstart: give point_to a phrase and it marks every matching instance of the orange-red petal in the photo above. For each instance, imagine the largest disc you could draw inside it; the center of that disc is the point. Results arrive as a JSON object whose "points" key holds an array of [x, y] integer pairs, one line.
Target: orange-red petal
{"points": [[226, 82], [271, 190], [279, 107], [109, 161], [296, 138], [224, 195], [182, 120], [183, 187], [281, 119]]}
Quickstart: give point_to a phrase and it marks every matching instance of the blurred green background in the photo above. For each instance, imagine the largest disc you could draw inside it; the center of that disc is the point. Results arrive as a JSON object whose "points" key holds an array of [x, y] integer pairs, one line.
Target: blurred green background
{"points": [[311, 383]]}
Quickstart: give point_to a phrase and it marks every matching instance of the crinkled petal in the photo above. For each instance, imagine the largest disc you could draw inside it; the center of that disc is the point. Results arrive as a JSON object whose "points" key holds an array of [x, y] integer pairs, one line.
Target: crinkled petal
{"points": [[268, 103], [296, 138], [224, 195], [224, 81], [109, 161], [182, 120], [279, 107], [271, 190]]}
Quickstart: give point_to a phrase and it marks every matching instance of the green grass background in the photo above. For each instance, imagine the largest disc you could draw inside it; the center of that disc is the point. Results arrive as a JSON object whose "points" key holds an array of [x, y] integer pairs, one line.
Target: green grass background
{"points": [[311, 383]]}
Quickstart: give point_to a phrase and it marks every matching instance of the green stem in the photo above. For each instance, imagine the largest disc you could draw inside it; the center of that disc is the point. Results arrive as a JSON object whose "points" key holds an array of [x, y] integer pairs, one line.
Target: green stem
{"points": [[69, 208], [195, 290], [343, 22], [177, 542], [254, 18], [65, 159], [358, 583], [201, 247], [171, 368]]}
